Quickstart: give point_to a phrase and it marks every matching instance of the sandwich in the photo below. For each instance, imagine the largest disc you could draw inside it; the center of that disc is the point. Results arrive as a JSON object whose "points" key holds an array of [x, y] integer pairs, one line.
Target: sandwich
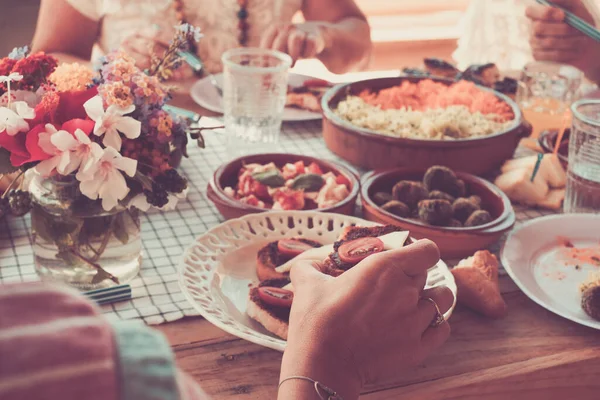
{"points": [[270, 300], [277, 253]]}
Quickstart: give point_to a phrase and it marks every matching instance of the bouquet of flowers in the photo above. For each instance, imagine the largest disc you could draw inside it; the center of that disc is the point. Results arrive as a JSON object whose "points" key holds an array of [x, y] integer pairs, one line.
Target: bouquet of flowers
{"points": [[106, 131]]}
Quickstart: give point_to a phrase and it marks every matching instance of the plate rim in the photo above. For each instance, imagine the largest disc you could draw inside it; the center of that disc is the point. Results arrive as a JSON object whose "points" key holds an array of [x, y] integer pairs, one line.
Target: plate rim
{"points": [[523, 287], [202, 103], [279, 343]]}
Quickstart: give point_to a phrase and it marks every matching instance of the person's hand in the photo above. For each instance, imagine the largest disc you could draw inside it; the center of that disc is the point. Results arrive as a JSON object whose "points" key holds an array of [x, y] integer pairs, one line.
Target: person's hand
{"points": [[298, 40], [367, 325], [144, 43], [553, 40]]}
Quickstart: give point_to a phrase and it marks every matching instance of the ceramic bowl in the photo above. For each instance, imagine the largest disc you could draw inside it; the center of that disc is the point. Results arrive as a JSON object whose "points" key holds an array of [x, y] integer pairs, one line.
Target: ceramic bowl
{"points": [[226, 176], [370, 150], [547, 141], [454, 243]]}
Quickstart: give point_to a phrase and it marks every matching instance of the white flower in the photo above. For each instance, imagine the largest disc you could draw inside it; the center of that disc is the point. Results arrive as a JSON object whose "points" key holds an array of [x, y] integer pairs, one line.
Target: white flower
{"points": [[12, 77], [12, 118], [112, 121], [142, 204], [69, 152], [102, 178]]}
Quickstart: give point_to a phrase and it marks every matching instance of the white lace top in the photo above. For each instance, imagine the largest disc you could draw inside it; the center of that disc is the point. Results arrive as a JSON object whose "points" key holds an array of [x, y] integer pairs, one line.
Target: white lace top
{"points": [[498, 31], [217, 19]]}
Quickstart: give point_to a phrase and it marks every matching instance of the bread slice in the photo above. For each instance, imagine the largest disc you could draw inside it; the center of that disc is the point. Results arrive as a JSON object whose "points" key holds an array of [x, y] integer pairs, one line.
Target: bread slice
{"points": [[274, 319], [477, 283], [269, 258]]}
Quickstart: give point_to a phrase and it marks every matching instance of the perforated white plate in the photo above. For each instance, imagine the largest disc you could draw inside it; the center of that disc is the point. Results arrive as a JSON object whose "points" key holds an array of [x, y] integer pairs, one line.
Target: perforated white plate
{"points": [[218, 268]]}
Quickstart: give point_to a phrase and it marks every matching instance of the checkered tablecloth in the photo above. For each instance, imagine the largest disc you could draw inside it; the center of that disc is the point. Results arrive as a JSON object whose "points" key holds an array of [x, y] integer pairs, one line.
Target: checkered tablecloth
{"points": [[157, 297]]}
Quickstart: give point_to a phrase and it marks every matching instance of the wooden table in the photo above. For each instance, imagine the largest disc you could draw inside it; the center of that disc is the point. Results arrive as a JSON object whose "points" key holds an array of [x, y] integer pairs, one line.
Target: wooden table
{"points": [[531, 354]]}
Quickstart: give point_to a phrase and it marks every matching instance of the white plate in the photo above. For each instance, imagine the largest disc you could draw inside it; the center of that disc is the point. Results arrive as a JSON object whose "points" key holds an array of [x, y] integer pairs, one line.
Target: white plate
{"points": [[534, 257], [219, 266], [206, 95]]}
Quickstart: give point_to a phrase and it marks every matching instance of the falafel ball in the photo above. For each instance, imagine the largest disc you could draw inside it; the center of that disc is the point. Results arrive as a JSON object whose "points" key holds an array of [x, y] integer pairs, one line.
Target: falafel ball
{"points": [[437, 194], [454, 223], [475, 200], [590, 302], [443, 179], [380, 198], [463, 208], [435, 212], [397, 208], [479, 217], [409, 192]]}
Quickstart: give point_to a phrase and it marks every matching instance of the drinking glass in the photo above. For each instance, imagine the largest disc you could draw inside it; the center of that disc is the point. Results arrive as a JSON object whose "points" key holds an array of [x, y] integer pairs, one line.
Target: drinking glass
{"points": [[545, 92], [254, 93], [583, 175]]}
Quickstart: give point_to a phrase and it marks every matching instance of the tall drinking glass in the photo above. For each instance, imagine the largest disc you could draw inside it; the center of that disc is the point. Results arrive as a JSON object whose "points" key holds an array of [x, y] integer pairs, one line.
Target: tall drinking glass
{"points": [[545, 92], [254, 93], [583, 175]]}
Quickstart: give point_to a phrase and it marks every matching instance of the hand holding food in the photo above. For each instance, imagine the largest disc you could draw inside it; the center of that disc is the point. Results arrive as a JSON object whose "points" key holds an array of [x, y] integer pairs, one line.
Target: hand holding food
{"points": [[477, 283], [298, 40], [382, 299]]}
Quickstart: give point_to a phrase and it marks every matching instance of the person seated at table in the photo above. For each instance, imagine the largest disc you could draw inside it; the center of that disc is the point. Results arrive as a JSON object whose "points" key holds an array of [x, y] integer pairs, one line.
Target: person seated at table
{"points": [[552, 39], [335, 32], [365, 327]]}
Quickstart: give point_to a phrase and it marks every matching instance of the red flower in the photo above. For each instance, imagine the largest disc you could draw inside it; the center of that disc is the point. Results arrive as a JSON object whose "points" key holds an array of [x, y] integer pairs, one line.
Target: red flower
{"points": [[86, 125], [35, 69], [6, 66], [70, 105]]}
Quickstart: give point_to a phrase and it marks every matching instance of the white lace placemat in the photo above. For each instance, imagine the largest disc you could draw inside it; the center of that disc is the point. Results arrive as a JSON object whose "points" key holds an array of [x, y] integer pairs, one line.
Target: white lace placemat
{"points": [[157, 297]]}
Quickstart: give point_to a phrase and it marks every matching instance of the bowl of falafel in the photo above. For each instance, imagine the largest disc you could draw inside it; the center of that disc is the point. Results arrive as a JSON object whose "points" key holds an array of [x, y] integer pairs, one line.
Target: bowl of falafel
{"points": [[460, 212]]}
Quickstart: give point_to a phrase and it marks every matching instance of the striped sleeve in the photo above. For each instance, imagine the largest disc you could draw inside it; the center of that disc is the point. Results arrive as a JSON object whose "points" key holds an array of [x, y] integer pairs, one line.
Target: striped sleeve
{"points": [[54, 345]]}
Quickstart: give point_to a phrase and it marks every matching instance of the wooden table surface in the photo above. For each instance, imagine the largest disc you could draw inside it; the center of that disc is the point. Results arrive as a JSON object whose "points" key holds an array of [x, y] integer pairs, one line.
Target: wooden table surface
{"points": [[531, 354]]}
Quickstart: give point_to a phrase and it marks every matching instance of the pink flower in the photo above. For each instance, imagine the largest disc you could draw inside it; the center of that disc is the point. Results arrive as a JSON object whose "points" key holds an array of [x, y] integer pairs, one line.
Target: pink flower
{"points": [[102, 178], [112, 121]]}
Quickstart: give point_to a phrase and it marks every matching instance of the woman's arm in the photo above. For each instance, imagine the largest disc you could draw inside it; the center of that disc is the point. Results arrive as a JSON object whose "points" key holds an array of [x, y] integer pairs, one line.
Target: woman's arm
{"points": [[64, 32], [345, 30]]}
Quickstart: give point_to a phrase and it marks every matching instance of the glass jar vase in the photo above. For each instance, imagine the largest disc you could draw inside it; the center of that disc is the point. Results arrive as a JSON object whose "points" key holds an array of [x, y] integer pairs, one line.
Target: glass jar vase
{"points": [[76, 241]]}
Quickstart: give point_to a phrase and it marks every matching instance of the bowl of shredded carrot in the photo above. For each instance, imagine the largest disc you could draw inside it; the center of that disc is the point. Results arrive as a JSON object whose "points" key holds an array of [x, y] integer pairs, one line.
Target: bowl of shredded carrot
{"points": [[420, 122]]}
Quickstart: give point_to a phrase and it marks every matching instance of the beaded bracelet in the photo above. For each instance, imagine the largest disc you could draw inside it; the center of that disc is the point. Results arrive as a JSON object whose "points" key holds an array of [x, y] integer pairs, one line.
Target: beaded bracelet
{"points": [[321, 389]]}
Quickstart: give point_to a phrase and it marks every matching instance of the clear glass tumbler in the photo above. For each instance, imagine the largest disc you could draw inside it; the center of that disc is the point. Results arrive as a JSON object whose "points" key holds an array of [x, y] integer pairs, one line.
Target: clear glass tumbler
{"points": [[545, 92], [254, 94], [583, 175]]}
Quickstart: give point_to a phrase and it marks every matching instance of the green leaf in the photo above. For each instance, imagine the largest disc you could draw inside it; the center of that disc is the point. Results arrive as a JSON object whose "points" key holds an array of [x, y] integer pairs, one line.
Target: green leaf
{"points": [[271, 178], [5, 165], [308, 182], [41, 225], [120, 228], [100, 276], [66, 254]]}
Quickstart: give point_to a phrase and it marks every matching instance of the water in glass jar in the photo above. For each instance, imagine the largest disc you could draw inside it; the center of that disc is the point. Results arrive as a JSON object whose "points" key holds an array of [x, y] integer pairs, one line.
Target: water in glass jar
{"points": [[583, 189]]}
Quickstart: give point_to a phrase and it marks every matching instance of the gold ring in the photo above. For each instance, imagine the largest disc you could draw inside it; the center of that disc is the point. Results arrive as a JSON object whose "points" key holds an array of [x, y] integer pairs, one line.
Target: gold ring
{"points": [[438, 319]]}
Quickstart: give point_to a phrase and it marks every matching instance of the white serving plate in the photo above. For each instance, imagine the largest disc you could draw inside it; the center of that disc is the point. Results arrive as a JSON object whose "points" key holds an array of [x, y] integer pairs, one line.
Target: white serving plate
{"points": [[206, 95], [534, 258], [219, 266]]}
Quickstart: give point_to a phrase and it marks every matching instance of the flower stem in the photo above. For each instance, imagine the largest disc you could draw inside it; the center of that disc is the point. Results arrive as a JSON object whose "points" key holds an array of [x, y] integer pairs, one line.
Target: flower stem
{"points": [[105, 241], [93, 264]]}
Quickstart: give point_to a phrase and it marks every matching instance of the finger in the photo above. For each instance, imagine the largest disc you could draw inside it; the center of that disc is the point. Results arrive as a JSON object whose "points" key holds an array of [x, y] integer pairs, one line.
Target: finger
{"points": [[310, 47], [557, 43], [543, 28], [412, 260], [426, 312], [560, 56], [433, 338], [281, 41], [538, 12], [305, 273], [295, 44], [266, 41]]}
